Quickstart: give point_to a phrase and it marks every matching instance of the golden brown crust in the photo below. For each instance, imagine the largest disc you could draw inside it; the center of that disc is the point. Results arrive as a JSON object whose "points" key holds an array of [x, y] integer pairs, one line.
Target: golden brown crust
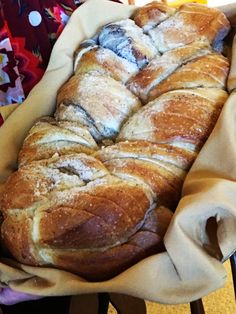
{"points": [[100, 103], [152, 14], [106, 62], [182, 117], [210, 71], [147, 241], [49, 137], [16, 236], [19, 190], [89, 214], [159, 178], [92, 192], [162, 167], [106, 266], [36, 180], [165, 153], [142, 244], [161, 67], [128, 41], [79, 219], [192, 22]]}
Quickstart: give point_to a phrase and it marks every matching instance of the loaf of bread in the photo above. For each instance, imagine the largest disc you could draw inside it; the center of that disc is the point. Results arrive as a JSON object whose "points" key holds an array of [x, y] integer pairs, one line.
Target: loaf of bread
{"points": [[97, 183]]}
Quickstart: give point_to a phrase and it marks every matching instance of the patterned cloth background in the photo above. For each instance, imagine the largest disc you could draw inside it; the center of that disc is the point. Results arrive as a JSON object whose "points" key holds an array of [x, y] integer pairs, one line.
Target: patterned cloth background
{"points": [[28, 30]]}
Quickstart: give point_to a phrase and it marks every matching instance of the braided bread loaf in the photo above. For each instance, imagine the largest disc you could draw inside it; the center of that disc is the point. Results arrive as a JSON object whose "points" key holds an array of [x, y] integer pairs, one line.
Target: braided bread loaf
{"points": [[96, 183]]}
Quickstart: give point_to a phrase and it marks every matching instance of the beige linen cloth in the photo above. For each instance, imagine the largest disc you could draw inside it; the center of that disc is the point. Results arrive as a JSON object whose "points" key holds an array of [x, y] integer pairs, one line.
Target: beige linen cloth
{"points": [[203, 231]]}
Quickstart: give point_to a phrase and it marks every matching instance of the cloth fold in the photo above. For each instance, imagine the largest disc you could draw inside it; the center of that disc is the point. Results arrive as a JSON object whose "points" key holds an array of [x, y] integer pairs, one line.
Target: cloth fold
{"points": [[192, 266]]}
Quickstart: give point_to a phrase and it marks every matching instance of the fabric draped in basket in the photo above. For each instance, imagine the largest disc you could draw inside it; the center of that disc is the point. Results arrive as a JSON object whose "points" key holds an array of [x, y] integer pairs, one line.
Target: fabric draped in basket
{"points": [[163, 277]]}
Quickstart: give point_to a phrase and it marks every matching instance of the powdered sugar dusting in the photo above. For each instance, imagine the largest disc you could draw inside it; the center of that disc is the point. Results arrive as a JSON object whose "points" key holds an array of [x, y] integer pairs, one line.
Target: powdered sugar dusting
{"points": [[98, 105], [124, 68], [128, 41], [86, 167], [105, 101]]}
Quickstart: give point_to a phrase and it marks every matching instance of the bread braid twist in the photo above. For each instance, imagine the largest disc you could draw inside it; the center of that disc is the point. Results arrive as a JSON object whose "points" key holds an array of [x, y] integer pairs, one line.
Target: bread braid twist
{"points": [[96, 182]]}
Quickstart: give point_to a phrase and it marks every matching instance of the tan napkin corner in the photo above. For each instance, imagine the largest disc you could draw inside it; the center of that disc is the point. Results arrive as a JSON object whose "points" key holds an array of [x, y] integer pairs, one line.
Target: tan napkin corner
{"points": [[190, 268]]}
